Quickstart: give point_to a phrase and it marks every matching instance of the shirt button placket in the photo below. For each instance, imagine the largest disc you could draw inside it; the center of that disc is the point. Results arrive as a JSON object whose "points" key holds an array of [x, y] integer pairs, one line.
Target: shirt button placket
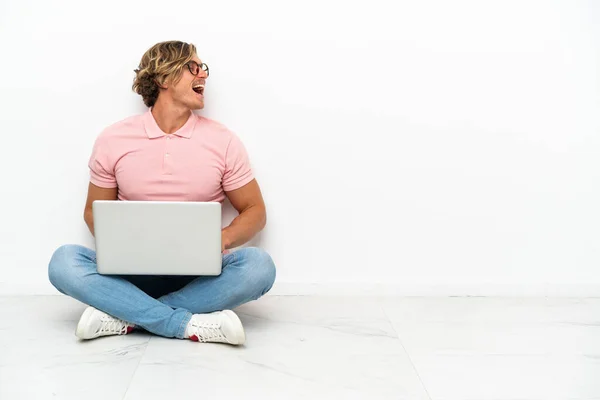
{"points": [[168, 156]]}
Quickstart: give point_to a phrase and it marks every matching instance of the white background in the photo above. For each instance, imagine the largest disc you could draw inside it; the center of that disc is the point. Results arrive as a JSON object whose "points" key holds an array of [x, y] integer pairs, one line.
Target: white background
{"points": [[413, 147]]}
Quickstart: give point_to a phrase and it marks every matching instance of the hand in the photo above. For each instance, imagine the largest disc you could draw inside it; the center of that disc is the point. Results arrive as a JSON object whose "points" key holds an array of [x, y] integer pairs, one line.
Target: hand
{"points": [[224, 243]]}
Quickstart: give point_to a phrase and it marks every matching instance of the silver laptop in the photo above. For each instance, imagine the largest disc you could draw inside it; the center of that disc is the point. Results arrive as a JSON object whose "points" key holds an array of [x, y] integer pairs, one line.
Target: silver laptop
{"points": [[157, 237]]}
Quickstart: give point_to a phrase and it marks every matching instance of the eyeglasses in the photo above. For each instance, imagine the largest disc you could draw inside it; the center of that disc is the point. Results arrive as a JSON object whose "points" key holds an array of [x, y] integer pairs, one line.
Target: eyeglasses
{"points": [[195, 68]]}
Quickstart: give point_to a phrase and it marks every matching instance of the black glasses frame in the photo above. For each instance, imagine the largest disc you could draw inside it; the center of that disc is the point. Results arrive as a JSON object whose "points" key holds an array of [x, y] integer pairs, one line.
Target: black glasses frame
{"points": [[198, 67]]}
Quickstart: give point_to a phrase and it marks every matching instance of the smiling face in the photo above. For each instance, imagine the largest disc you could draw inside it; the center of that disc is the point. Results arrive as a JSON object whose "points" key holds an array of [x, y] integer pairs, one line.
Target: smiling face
{"points": [[188, 89], [172, 71]]}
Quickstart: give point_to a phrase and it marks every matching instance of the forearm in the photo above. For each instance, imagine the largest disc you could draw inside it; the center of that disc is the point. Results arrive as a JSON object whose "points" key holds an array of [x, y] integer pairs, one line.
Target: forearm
{"points": [[88, 217], [244, 227]]}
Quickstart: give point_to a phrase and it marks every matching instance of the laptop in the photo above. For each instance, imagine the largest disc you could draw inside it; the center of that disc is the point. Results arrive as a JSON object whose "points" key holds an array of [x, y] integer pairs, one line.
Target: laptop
{"points": [[157, 237]]}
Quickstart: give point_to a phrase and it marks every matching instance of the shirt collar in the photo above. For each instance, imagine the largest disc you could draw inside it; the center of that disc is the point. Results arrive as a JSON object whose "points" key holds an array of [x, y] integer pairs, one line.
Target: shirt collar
{"points": [[153, 130]]}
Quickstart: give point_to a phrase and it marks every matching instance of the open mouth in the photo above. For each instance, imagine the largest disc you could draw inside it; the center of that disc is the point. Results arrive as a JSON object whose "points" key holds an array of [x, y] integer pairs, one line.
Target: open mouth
{"points": [[199, 89]]}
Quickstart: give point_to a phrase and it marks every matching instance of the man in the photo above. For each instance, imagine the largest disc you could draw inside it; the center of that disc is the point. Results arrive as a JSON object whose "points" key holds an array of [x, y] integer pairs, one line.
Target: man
{"points": [[170, 154]]}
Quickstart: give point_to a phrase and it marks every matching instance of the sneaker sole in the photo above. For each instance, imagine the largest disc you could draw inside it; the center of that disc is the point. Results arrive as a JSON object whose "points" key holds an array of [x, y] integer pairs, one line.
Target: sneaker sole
{"points": [[83, 322], [241, 337]]}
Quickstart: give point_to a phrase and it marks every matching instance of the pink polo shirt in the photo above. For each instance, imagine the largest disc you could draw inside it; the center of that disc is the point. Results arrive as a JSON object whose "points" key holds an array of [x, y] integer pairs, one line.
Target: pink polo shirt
{"points": [[199, 162]]}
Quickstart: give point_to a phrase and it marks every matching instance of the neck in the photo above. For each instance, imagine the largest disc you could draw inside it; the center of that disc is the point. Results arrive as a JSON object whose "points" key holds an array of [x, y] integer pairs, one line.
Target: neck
{"points": [[169, 116]]}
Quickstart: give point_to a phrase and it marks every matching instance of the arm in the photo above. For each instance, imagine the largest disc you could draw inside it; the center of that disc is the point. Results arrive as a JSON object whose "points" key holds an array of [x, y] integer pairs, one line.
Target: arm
{"points": [[96, 193], [252, 217]]}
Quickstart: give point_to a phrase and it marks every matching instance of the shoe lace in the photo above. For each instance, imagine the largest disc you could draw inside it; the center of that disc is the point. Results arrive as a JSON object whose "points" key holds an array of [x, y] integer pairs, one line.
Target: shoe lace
{"points": [[111, 325], [207, 331]]}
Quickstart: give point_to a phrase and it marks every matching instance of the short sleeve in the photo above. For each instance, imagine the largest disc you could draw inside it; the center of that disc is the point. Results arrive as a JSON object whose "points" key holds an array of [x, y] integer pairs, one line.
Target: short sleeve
{"points": [[238, 171], [102, 172]]}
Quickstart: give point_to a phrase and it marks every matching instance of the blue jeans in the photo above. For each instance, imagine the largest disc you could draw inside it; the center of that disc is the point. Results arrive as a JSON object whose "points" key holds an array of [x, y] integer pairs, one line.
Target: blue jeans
{"points": [[162, 305]]}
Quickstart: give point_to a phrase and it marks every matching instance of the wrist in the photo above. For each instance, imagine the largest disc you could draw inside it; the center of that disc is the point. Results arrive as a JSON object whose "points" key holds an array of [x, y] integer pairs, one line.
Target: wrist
{"points": [[226, 240]]}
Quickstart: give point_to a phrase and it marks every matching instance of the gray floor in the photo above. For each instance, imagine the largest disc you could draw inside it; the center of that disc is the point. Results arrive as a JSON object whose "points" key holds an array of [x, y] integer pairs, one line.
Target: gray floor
{"points": [[316, 347]]}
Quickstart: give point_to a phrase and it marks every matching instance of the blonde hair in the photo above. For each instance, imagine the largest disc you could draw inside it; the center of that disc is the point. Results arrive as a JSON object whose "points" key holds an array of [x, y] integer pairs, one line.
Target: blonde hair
{"points": [[162, 63]]}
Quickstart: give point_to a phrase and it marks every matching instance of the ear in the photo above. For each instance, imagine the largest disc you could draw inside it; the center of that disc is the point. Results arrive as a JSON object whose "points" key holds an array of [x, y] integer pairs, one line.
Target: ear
{"points": [[163, 86]]}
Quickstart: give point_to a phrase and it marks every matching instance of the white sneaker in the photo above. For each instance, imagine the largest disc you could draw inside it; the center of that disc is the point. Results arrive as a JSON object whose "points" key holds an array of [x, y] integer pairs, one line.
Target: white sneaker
{"points": [[95, 323], [220, 326]]}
